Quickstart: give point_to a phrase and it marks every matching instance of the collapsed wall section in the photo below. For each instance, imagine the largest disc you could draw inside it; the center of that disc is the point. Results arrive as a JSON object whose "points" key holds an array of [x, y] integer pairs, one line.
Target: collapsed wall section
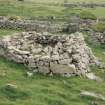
{"points": [[66, 55]]}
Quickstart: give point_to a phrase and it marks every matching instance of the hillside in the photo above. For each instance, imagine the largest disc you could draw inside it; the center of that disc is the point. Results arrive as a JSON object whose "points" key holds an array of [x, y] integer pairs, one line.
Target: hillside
{"points": [[41, 89], [35, 8]]}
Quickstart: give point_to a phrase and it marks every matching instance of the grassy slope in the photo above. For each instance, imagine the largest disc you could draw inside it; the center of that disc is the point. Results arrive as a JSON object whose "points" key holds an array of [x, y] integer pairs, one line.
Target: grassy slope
{"points": [[45, 90], [41, 8], [61, 1], [28, 9], [7, 32]]}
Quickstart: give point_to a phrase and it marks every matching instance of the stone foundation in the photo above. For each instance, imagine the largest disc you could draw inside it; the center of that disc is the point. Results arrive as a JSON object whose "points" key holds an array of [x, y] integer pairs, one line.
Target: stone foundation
{"points": [[66, 55]]}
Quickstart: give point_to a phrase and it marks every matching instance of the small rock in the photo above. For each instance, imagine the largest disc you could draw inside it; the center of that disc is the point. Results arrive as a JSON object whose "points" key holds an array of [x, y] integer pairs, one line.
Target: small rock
{"points": [[29, 74], [3, 73], [11, 85], [94, 103], [100, 64], [51, 74], [92, 94], [92, 76]]}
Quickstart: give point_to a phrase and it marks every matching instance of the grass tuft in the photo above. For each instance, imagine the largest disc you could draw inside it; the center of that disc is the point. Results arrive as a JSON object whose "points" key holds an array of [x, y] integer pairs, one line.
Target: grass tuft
{"points": [[13, 93]]}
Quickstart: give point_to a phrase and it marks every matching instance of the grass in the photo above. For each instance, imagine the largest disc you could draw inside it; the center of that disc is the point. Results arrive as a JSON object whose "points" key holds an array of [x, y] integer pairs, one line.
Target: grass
{"points": [[14, 93], [28, 9], [7, 32], [46, 90], [62, 1], [42, 8], [99, 11]]}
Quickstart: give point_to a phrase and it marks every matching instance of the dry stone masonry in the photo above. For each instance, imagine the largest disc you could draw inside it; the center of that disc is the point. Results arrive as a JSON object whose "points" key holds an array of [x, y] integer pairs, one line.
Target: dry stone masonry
{"points": [[84, 5], [97, 37], [45, 53], [44, 26], [30, 25]]}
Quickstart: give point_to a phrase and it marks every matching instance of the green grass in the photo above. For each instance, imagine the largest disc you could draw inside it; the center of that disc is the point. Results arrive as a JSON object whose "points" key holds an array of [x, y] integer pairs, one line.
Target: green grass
{"points": [[13, 93], [99, 27], [45, 90], [61, 1], [99, 12], [42, 8], [7, 32], [28, 9]]}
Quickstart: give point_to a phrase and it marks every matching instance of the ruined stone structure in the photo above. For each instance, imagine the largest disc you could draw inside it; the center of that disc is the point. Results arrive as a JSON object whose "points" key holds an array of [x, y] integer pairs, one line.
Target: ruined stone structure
{"points": [[30, 25], [86, 5], [66, 55], [74, 25]]}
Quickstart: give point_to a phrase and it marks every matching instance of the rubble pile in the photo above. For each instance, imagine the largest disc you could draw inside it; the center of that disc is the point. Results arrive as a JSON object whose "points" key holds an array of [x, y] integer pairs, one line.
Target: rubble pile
{"points": [[47, 53]]}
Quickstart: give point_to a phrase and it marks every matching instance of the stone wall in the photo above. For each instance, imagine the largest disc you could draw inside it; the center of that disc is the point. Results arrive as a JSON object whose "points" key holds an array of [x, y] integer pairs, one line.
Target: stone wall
{"points": [[100, 37], [30, 25], [96, 38], [74, 25], [66, 55], [86, 5]]}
